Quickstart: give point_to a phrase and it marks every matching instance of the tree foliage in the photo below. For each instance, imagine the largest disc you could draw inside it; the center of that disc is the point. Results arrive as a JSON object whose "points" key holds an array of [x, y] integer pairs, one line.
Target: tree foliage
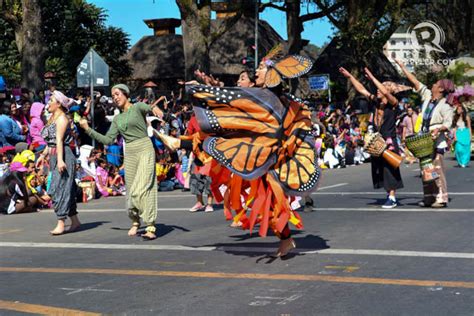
{"points": [[70, 29]]}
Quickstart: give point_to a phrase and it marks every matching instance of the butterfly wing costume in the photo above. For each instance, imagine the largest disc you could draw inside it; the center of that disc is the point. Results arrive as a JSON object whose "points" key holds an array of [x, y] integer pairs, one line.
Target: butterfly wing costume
{"points": [[265, 141]]}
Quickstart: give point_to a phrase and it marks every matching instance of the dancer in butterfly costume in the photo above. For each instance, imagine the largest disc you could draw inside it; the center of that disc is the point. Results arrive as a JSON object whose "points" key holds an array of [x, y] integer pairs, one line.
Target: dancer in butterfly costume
{"points": [[264, 138]]}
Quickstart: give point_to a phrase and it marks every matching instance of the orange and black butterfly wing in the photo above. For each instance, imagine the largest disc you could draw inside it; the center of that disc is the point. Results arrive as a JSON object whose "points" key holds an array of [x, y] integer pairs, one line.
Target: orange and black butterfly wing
{"points": [[297, 168], [272, 78], [231, 112], [299, 174], [293, 66], [244, 124], [247, 157]]}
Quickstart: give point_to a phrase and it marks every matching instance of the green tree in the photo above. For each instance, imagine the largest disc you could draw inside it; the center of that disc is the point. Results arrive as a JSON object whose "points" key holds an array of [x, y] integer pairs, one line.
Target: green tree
{"points": [[78, 26], [68, 29], [295, 20], [199, 34], [25, 18], [10, 66]]}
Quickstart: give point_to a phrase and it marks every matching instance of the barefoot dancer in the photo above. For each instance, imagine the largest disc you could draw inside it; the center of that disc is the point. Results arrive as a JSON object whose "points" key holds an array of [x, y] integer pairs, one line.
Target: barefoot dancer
{"points": [[140, 178], [264, 138], [57, 134]]}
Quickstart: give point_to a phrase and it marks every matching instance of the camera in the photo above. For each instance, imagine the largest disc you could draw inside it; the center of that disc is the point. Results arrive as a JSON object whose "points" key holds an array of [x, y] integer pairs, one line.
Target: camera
{"points": [[106, 100]]}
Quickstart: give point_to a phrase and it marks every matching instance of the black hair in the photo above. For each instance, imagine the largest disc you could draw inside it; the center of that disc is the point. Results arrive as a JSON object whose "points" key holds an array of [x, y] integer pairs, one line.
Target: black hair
{"points": [[6, 108], [7, 186], [456, 117], [250, 74], [278, 90]]}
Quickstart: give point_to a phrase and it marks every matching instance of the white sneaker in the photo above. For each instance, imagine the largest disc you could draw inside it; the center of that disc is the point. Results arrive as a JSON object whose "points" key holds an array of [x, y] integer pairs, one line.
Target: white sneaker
{"points": [[197, 207], [209, 209]]}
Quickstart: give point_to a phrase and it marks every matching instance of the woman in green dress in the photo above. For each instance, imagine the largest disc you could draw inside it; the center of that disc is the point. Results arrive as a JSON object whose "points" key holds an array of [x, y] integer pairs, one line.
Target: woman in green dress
{"points": [[139, 158]]}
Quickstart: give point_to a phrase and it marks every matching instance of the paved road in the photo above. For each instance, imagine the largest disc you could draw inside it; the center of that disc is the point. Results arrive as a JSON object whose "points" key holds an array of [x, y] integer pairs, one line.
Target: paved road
{"points": [[353, 258]]}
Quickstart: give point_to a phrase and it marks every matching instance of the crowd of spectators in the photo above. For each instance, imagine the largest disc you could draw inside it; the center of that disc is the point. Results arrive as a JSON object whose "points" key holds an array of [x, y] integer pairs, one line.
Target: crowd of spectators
{"points": [[339, 131]]}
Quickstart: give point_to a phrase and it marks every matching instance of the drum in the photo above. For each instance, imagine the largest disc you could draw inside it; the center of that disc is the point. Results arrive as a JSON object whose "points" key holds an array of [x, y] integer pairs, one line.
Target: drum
{"points": [[375, 145], [422, 147]]}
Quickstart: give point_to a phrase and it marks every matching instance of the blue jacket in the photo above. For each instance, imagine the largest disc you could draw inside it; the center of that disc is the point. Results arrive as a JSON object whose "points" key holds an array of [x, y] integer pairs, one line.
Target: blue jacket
{"points": [[10, 132]]}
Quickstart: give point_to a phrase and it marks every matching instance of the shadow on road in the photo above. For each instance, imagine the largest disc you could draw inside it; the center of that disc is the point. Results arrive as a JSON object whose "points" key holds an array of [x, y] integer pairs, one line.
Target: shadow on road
{"points": [[161, 229], [91, 225], [380, 202], [265, 251]]}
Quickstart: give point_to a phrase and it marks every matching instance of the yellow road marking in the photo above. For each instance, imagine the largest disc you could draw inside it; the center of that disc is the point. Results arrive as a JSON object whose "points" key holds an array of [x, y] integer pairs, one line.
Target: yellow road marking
{"points": [[255, 276], [173, 263], [343, 268], [42, 309], [8, 231]]}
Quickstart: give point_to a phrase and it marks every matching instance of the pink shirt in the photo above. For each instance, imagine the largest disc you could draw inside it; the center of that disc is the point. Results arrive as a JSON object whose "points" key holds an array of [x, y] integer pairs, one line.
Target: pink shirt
{"points": [[409, 122]]}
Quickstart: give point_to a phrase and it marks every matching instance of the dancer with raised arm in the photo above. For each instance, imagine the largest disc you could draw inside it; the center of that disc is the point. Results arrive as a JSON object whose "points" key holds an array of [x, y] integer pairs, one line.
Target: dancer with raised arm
{"points": [[437, 115], [264, 138], [382, 120], [139, 158]]}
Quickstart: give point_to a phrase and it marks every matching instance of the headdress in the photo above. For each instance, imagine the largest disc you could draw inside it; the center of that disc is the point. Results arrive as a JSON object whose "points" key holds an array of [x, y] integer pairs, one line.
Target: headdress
{"points": [[62, 99], [122, 87], [288, 67], [395, 88]]}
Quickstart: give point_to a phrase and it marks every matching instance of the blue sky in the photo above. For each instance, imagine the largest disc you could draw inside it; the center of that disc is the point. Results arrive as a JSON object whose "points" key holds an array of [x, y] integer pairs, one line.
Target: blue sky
{"points": [[129, 15]]}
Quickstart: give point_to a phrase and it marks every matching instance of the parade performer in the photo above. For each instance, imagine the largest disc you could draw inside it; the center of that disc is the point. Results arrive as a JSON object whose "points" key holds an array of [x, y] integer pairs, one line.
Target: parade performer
{"points": [[264, 138], [437, 117], [139, 158], [382, 121], [58, 135]]}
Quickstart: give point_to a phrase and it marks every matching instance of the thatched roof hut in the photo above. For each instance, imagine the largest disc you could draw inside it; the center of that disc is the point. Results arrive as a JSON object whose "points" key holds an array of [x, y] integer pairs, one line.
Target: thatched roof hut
{"points": [[229, 50], [160, 57]]}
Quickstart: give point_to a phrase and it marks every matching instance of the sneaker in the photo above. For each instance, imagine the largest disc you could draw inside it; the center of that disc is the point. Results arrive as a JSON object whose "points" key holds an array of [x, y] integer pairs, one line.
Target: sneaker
{"points": [[390, 203], [209, 209], [197, 207]]}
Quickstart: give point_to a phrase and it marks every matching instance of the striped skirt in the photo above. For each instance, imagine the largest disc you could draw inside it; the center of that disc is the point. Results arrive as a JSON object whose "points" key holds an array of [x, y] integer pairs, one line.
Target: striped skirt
{"points": [[140, 180]]}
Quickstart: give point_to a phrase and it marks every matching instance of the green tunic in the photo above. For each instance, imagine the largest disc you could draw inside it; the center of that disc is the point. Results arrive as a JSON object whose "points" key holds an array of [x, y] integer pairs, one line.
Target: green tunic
{"points": [[139, 160], [131, 125]]}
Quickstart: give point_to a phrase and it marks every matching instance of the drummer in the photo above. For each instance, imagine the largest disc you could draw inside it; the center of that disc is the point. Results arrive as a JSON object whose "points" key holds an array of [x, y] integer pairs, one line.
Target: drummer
{"points": [[381, 121], [437, 117]]}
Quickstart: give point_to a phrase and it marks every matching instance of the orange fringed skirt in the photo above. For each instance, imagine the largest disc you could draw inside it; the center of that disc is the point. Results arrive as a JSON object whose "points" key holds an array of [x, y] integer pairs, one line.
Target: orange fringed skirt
{"points": [[263, 152]]}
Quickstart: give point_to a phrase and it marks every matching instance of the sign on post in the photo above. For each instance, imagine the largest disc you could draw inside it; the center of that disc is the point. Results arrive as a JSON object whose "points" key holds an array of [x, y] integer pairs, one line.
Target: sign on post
{"points": [[320, 82], [92, 71]]}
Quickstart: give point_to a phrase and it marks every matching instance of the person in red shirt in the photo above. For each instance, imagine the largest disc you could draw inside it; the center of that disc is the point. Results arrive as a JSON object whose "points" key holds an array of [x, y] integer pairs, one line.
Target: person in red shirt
{"points": [[200, 183]]}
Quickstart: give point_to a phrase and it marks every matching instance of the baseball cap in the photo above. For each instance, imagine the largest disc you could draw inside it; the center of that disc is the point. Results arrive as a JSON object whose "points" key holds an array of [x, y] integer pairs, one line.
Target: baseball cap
{"points": [[17, 166]]}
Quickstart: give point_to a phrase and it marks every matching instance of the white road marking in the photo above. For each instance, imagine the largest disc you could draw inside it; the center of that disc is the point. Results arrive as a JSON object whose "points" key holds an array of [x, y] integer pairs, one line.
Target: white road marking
{"points": [[322, 209], [398, 209], [243, 248], [86, 289], [103, 246], [381, 193], [401, 193], [397, 253], [333, 186]]}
